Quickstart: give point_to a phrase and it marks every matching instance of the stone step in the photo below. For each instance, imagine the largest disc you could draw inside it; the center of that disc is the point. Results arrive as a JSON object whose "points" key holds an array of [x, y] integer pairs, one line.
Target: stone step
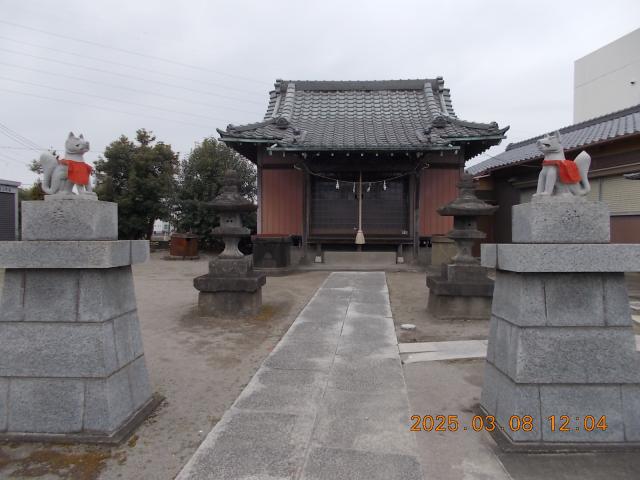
{"points": [[367, 258], [323, 267]]}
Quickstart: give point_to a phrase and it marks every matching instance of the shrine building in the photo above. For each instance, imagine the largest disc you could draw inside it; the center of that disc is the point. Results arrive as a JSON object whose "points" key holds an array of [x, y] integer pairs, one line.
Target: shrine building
{"points": [[336, 157]]}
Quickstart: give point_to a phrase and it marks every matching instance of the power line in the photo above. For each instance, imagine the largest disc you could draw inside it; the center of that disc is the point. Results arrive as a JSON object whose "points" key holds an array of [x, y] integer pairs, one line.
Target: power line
{"points": [[22, 138], [19, 139], [137, 67], [107, 98], [131, 52], [19, 162], [11, 147], [16, 139], [136, 90], [103, 108], [110, 72]]}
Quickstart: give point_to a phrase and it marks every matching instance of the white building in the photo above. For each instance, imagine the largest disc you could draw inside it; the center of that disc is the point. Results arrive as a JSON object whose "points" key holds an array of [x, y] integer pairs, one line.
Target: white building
{"points": [[607, 79], [161, 230]]}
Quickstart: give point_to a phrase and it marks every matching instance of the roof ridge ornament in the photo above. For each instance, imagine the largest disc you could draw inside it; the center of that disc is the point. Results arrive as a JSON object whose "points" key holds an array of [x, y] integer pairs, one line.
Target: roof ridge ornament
{"points": [[282, 123], [288, 102], [432, 105], [440, 121]]}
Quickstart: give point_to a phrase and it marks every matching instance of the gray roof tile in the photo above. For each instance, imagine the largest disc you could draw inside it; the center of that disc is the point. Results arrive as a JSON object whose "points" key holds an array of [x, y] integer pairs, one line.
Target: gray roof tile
{"points": [[391, 114], [580, 135]]}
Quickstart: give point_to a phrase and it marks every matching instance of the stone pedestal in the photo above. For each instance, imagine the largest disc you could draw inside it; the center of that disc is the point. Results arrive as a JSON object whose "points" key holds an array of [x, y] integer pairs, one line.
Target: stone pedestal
{"points": [[460, 293], [462, 290], [72, 362], [561, 342], [230, 288]]}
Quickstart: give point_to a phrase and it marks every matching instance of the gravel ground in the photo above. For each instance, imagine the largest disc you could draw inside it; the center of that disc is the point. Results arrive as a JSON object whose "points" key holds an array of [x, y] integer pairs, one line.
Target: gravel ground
{"points": [[408, 293]]}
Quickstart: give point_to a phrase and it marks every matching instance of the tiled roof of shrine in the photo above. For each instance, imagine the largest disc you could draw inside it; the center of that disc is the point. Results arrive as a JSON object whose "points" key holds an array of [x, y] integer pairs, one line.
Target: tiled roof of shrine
{"points": [[362, 115]]}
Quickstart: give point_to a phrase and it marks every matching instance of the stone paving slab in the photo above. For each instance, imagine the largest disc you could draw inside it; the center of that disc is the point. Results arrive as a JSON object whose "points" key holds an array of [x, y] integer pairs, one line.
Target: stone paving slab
{"points": [[334, 463], [364, 421], [330, 401], [451, 350]]}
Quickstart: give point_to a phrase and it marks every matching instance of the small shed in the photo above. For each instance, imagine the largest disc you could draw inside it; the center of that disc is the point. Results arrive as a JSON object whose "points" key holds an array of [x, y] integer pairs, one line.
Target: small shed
{"points": [[8, 210]]}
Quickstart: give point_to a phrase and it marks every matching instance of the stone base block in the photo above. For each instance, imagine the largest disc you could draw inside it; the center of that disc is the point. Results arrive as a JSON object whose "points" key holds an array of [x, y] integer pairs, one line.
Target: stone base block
{"points": [[466, 274], [230, 304], [561, 220], [69, 219], [71, 354], [562, 299], [561, 258], [114, 438], [219, 284], [66, 295], [443, 286], [42, 405], [73, 254], [577, 408], [230, 267], [452, 307], [594, 355]]}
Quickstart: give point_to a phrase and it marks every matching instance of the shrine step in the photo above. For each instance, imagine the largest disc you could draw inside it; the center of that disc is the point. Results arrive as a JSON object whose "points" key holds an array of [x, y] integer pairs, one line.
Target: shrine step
{"points": [[368, 258]]}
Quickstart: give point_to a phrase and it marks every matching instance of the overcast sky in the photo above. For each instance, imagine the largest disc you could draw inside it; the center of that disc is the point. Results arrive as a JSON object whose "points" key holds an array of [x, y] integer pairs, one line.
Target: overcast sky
{"points": [[183, 69]]}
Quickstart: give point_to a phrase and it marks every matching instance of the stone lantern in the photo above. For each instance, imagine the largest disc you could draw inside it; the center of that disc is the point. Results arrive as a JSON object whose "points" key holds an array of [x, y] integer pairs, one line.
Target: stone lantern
{"points": [[462, 289], [231, 287]]}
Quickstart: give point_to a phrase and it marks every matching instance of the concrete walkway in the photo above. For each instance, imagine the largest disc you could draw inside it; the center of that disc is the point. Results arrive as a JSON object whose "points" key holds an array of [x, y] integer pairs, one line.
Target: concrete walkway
{"points": [[330, 401]]}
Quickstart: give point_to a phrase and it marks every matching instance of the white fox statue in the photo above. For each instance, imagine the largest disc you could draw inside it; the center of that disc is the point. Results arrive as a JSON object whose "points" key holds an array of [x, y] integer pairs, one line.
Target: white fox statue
{"points": [[60, 175], [558, 175]]}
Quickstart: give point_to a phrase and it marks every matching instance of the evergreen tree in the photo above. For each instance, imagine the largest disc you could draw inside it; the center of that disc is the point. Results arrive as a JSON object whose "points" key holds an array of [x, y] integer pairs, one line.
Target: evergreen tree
{"points": [[140, 178], [199, 182], [34, 192]]}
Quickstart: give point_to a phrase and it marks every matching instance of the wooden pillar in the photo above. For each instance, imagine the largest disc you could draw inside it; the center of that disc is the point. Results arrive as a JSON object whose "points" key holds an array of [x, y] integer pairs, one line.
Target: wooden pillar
{"points": [[259, 194], [415, 182], [306, 199]]}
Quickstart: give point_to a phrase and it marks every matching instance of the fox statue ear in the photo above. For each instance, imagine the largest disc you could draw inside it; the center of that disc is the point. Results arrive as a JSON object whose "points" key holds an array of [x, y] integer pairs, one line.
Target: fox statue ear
{"points": [[81, 136], [71, 135], [557, 134]]}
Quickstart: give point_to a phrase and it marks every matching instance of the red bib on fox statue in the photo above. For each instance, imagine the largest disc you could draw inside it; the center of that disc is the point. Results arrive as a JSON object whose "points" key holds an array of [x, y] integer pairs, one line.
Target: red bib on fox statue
{"points": [[567, 170], [78, 172]]}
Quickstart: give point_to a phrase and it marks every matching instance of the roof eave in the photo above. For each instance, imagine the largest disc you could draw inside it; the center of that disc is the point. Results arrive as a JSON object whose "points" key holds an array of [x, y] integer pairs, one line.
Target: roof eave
{"points": [[387, 148], [475, 139], [303, 148], [572, 149], [249, 140]]}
